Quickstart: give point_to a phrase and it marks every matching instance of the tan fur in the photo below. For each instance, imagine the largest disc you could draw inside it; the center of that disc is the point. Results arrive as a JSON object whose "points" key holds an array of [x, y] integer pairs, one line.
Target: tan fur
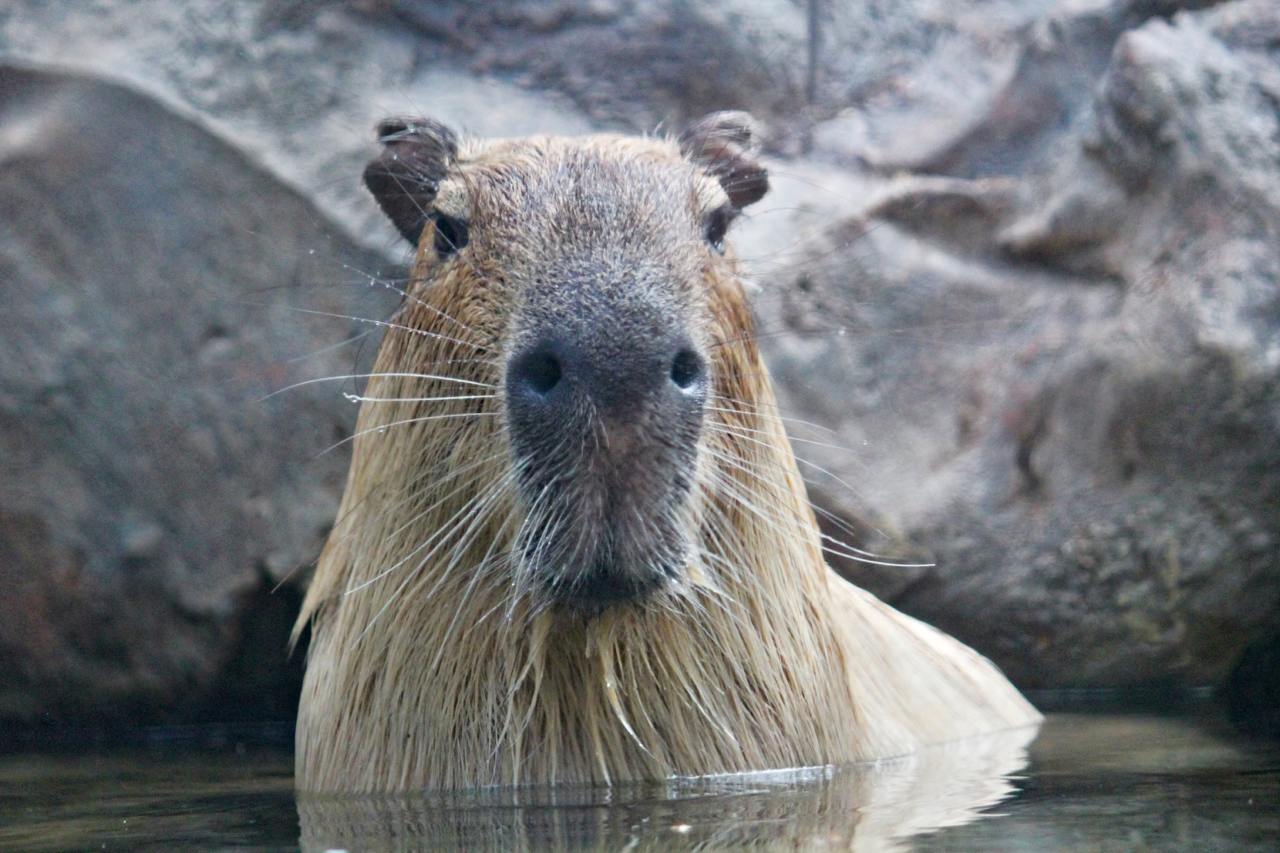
{"points": [[432, 666]]}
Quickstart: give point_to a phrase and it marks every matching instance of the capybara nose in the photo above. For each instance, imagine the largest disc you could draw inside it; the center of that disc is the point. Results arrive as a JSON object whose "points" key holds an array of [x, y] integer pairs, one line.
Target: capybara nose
{"points": [[557, 382]]}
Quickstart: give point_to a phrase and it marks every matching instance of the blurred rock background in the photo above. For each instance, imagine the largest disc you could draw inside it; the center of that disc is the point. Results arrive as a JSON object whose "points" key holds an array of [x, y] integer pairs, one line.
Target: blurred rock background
{"points": [[1021, 263]]}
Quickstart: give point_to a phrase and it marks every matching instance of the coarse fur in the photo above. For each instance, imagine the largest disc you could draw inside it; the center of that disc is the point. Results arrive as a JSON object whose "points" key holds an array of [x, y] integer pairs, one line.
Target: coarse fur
{"points": [[438, 661]]}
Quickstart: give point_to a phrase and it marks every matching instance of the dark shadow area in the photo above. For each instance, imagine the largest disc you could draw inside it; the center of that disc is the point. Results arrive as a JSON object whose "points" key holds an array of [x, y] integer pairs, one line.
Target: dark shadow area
{"points": [[262, 680], [1253, 691]]}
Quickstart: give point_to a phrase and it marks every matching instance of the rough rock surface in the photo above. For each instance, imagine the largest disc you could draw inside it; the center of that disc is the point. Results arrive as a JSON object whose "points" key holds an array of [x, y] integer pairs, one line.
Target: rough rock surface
{"points": [[150, 500], [1021, 262], [1065, 389]]}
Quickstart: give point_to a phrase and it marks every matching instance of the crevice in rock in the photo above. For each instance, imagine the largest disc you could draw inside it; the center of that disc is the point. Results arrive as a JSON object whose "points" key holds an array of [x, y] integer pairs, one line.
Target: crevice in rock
{"points": [[1253, 690], [261, 680]]}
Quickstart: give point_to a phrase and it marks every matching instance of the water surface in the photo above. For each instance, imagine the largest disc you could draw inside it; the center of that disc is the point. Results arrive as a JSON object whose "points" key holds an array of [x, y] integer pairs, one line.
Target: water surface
{"points": [[1183, 781]]}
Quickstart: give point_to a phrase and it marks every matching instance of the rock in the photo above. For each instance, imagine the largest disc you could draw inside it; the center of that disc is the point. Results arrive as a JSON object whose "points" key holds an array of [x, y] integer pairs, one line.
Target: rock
{"points": [[1021, 83], [1068, 393], [151, 500]]}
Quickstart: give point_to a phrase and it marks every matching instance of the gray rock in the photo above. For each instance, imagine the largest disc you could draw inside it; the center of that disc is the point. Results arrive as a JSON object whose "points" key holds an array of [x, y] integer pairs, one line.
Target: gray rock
{"points": [[997, 101], [1067, 391], [150, 500]]}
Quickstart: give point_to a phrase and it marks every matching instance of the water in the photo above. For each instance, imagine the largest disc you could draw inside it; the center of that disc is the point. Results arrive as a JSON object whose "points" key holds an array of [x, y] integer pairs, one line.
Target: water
{"points": [[1185, 781]]}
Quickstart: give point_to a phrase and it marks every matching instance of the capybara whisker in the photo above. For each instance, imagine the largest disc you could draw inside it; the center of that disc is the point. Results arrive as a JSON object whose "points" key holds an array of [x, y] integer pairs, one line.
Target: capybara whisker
{"points": [[346, 376], [386, 325], [358, 398], [443, 531], [394, 287], [383, 428], [748, 408], [358, 336]]}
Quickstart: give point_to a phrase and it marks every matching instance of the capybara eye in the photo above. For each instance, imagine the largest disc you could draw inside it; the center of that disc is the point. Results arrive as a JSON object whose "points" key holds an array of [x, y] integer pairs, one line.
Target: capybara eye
{"points": [[450, 234], [715, 226]]}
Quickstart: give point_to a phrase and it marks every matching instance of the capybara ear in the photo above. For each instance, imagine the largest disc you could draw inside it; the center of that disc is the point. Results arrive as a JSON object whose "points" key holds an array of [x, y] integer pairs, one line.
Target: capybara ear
{"points": [[724, 144], [416, 155]]}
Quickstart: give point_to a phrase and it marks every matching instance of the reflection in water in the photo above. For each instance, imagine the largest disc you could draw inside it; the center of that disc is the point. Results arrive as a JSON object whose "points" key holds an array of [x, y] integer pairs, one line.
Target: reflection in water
{"points": [[1093, 782], [1134, 783], [864, 807]]}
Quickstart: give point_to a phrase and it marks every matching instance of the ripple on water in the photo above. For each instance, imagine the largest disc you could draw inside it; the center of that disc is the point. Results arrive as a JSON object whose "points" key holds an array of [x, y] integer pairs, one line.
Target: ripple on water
{"points": [[1098, 781]]}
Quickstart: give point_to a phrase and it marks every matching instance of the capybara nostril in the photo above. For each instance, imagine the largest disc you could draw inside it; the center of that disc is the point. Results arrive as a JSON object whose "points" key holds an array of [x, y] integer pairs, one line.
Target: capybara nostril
{"points": [[686, 369], [538, 371]]}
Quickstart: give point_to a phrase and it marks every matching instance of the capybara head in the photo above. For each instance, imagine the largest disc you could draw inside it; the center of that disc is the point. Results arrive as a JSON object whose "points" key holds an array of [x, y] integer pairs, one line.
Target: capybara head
{"points": [[585, 269]]}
